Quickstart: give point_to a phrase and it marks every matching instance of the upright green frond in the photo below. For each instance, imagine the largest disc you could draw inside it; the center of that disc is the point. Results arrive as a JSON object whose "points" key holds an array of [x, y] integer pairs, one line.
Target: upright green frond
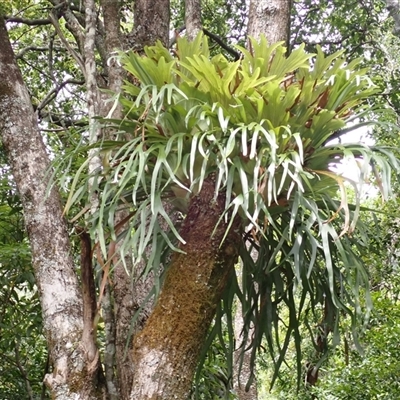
{"points": [[150, 71]]}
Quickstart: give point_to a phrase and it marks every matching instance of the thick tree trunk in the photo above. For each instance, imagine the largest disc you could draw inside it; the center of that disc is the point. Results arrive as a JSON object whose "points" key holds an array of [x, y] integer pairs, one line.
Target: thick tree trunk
{"points": [[166, 351], [75, 366], [270, 17], [151, 23], [192, 18]]}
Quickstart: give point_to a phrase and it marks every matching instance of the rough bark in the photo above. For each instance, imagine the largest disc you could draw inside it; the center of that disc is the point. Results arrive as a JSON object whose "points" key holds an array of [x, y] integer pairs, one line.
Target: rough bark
{"points": [[167, 350], [93, 106], [151, 23], [193, 18], [113, 42], [73, 374], [92, 92], [270, 17]]}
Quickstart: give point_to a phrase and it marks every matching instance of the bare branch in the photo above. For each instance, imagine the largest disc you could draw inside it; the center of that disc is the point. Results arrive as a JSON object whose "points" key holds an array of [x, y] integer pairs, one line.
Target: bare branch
{"points": [[63, 121], [54, 92], [34, 48], [73, 23], [217, 39], [73, 53], [30, 22], [235, 54]]}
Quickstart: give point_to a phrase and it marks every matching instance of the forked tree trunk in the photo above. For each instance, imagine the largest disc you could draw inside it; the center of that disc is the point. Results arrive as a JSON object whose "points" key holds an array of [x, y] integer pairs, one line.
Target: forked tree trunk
{"points": [[75, 367], [166, 352]]}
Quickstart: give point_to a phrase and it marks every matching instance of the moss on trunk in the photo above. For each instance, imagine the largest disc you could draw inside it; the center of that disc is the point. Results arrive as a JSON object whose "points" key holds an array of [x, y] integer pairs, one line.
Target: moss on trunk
{"points": [[166, 352]]}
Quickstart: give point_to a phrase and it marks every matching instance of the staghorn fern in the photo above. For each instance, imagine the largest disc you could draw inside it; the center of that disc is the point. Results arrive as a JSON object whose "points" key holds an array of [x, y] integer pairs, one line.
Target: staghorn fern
{"points": [[263, 125]]}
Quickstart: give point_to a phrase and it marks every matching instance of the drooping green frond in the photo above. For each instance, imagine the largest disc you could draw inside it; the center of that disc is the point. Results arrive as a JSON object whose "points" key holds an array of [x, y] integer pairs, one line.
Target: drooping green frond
{"points": [[264, 125]]}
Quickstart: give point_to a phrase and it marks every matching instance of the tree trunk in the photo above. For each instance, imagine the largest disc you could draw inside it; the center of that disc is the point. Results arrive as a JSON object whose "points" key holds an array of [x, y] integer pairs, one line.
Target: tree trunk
{"points": [[270, 17], [192, 18], [242, 370], [151, 23], [166, 351], [75, 367]]}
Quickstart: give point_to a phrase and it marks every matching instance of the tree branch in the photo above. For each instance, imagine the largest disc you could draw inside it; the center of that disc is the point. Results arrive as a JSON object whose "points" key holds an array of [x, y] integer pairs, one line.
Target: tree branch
{"points": [[235, 54], [73, 23], [34, 48], [23, 372], [54, 92], [30, 22], [73, 53]]}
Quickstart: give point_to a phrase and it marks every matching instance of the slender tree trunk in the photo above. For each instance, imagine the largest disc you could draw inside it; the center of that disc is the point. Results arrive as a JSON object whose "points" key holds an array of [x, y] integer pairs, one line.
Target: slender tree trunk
{"points": [[120, 313], [270, 17], [242, 370], [166, 351], [74, 371]]}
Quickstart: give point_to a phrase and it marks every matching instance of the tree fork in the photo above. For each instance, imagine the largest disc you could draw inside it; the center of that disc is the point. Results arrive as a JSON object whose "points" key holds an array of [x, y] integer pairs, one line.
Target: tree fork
{"points": [[173, 337]]}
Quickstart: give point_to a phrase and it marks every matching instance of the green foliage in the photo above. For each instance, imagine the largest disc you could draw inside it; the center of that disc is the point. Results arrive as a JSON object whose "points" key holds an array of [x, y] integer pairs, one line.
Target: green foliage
{"points": [[22, 345], [225, 18], [213, 381], [23, 351], [263, 126], [347, 375], [340, 24], [375, 375]]}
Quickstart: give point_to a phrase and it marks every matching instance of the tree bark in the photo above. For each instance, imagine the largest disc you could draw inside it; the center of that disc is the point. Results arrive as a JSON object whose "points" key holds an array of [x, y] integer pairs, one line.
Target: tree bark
{"points": [[166, 351], [271, 18], [242, 370], [74, 373], [151, 24], [192, 18]]}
